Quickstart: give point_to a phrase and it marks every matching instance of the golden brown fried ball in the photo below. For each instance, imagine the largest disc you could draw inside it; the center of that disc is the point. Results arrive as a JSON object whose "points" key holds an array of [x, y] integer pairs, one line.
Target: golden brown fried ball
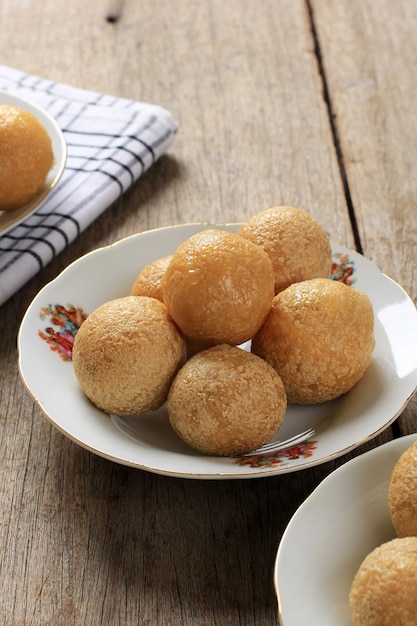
{"points": [[319, 338], [149, 283], [295, 242], [26, 157], [126, 355], [149, 280], [226, 401], [218, 287], [384, 590], [402, 494]]}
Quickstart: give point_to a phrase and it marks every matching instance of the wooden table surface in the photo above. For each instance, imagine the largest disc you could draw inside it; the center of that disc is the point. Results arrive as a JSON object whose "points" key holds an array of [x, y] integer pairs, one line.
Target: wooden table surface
{"points": [[296, 102]]}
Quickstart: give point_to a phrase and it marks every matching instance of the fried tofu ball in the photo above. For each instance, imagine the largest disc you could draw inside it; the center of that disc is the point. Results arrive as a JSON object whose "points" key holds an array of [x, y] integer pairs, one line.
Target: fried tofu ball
{"points": [[226, 401], [26, 156], [295, 242], [218, 287], [126, 354], [384, 590], [319, 338], [149, 280], [402, 494]]}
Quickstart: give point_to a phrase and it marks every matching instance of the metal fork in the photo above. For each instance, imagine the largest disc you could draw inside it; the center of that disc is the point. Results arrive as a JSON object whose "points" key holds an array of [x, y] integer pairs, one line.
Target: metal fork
{"points": [[275, 446]]}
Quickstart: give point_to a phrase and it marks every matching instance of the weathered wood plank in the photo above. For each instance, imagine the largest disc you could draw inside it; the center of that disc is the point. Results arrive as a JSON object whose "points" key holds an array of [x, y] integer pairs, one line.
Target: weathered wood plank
{"points": [[85, 541], [369, 53], [242, 82]]}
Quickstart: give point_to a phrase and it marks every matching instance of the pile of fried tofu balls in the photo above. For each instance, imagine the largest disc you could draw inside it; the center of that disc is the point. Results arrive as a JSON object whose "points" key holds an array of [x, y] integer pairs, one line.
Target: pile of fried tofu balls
{"points": [[177, 337]]}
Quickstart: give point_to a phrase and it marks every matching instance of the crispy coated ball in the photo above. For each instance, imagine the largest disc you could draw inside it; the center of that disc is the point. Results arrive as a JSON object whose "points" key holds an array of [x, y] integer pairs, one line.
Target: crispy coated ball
{"points": [[319, 338], [126, 355], [149, 283], [402, 494], [384, 590], [218, 287], [26, 157], [149, 280], [226, 401], [295, 242]]}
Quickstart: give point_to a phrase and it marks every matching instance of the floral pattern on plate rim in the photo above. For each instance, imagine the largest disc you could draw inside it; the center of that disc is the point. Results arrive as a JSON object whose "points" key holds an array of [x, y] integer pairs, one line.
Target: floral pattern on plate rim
{"points": [[342, 268], [302, 450], [66, 320], [64, 325]]}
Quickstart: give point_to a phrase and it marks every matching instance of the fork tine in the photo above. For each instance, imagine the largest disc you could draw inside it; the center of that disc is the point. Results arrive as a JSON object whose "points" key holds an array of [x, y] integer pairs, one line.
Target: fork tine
{"points": [[287, 442], [274, 446], [290, 440]]}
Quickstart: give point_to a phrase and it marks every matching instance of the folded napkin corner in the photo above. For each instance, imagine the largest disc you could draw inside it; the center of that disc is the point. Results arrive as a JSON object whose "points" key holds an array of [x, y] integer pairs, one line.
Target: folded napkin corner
{"points": [[111, 142]]}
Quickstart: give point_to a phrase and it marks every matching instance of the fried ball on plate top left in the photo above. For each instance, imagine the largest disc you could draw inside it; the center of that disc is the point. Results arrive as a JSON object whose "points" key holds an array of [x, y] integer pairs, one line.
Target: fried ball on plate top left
{"points": [[218, 287], [26, 156], [149, 280], [126, 354]]}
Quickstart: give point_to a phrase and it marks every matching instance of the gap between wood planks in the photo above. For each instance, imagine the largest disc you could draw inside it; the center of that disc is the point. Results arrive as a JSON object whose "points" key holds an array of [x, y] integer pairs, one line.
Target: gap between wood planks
{"points": [[333, 126], [396, 430]]}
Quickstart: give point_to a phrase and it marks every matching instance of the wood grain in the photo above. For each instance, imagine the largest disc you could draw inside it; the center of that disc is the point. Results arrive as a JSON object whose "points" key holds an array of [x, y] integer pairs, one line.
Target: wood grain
{"points": [[369, 54], [370, 57], [243, 85], [86, 541]]}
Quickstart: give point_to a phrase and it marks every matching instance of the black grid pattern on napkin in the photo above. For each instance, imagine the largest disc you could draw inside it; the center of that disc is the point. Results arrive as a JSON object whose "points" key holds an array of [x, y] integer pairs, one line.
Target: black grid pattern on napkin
{"points": [[110, 143]]}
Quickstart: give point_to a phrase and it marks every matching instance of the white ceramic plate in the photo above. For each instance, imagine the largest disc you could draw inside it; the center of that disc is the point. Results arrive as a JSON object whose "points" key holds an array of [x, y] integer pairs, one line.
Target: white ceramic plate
{"points": [[10, 219], [148, 442], [339, 524]]}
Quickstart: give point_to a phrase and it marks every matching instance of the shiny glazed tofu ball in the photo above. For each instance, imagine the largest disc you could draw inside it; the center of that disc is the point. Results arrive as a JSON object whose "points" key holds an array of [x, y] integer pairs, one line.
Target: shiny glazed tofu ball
{"points": [[218, 287], [26, 157]]}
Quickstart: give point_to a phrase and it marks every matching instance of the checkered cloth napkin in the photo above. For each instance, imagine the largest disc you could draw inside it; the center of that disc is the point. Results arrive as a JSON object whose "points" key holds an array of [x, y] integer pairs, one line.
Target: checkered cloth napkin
{"points": [[110, 143]]}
